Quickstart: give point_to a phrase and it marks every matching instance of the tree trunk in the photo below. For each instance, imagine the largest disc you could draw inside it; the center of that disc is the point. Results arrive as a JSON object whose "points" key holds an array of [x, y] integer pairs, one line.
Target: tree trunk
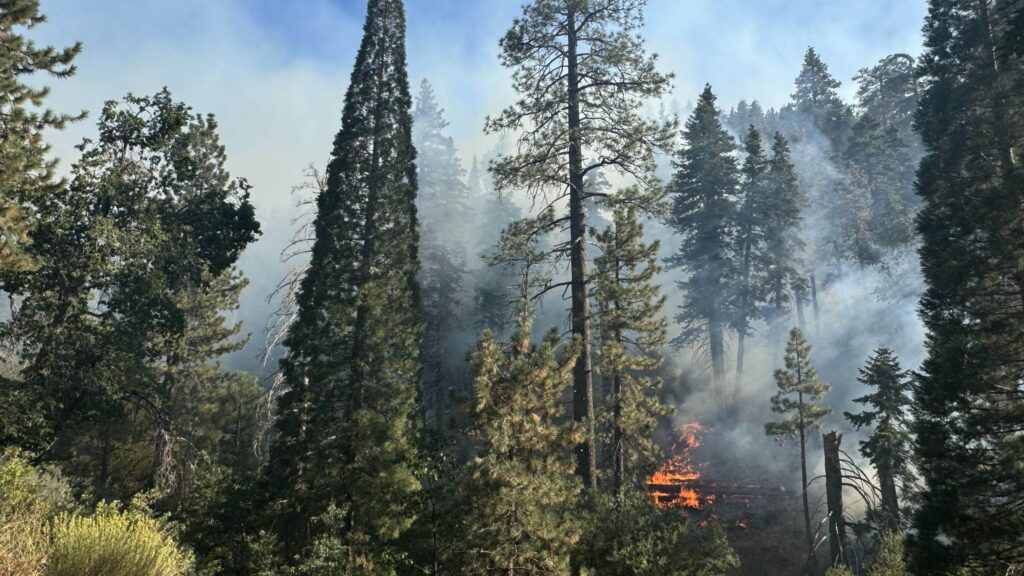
{"points": [[890, 502], [814, 300], [163, 454], [618, 439], [803, 476], [800, 310], [716, 337], [834, 498], [741, 337], [583, 387], [105, 454]]}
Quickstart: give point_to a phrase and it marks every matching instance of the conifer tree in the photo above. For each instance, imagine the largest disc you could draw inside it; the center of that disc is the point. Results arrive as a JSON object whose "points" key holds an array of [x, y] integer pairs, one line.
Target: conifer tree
{"points": [[443, 205], [889, 92], [815, 103], [27, 174], [631, 332], [782, 208], [816, 97], [801, 415], [519, 486], [751, 225], [347, 421], [704, 190], [888, 446], [582, 73], [968, 401], [879, 171], [492, 284]]}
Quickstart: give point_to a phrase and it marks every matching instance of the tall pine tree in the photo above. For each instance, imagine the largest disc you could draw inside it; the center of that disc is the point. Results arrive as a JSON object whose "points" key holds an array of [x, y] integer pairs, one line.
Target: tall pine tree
{"points": [[751, 224], [582, 73], [704, 206], [782, 206], [443, 203], [968, 400], [347, 421]]}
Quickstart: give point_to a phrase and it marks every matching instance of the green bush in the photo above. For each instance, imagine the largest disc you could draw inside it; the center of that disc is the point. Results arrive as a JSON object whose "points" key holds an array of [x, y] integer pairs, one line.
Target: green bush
{"points": [[889, 561], [29, 499], [115, 543]]}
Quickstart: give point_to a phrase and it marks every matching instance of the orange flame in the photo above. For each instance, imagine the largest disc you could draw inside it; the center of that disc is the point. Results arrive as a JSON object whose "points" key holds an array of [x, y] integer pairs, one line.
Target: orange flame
{"points": [[671, 484]]}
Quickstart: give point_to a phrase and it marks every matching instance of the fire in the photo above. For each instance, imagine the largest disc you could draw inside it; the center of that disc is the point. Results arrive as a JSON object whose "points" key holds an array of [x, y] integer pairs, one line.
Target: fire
{"points": [[672, 485]]}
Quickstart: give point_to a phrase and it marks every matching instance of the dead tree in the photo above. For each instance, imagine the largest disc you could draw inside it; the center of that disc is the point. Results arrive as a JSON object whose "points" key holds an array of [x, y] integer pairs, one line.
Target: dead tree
{"points": [[834, 497]]}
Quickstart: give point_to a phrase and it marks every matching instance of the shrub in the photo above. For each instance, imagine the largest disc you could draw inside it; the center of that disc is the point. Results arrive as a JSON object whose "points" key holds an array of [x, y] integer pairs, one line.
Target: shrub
{"points": [[115, 543], [889, 561], [29, 498]]}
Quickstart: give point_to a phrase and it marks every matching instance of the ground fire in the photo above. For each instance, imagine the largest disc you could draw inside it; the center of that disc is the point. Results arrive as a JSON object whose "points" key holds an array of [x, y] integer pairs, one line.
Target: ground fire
{"points": [[681, 483], [673, 485]]}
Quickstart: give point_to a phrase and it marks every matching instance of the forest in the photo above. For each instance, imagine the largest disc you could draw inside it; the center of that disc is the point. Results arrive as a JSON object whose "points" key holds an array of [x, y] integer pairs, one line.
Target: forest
{"points": [[630, 336]]}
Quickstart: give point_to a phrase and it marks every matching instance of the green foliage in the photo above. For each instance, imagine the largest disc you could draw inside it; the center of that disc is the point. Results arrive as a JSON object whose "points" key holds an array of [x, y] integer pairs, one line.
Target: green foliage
{"points": [[519, 486], [816, 96], [838, 571], [29, 498], [799, 378], [631, 332], [628, 536], [889, 560], [888, 446], [968, 404], [26, 171], [347, 421], [782, 206], [115, 542], [442, 200], [704, 194]]}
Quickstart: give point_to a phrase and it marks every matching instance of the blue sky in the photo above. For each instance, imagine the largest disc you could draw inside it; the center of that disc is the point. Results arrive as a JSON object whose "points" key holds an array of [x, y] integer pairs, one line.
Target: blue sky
{"points": [[274, 71]]}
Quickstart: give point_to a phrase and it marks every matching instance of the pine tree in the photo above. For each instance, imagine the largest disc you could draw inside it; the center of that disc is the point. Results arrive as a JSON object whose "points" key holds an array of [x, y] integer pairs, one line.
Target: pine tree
{"points": [[443, 203], [888, 446], [347, 422], [799, 378], [890, 91], [751, 225], [968, 402], [519, 486], [782, 208], [492, 284], [27, 174], [582, 73], [704, 190], [631, 333], [876, 161], [816, 97], [819, 118]]}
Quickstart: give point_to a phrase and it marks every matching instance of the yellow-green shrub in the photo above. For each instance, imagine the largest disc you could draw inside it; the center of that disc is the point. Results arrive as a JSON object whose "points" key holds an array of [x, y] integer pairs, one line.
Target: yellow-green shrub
{"points": [[114, 543], [29, 498]]}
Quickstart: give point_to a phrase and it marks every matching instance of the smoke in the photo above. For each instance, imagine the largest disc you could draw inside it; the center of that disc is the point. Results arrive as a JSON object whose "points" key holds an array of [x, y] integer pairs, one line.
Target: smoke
{"points": [[276, 77]]}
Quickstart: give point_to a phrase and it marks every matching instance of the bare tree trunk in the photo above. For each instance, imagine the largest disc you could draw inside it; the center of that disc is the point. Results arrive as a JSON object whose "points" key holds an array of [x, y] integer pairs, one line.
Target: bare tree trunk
{"points": [[583, 386], [834, 498]]}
